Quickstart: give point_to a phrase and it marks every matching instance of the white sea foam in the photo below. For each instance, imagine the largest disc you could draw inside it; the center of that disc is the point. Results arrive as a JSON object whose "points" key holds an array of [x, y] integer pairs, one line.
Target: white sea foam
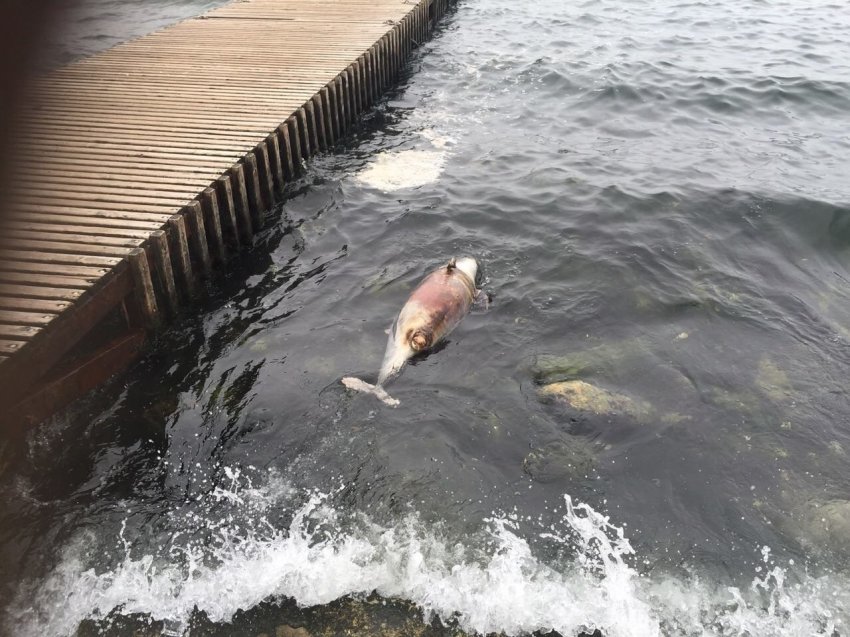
{"points": [[494, 583], [390, 171], [397, 170]]}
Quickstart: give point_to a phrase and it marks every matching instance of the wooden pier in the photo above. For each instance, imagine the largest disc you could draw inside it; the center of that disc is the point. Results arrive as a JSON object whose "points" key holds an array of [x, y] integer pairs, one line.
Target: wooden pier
{"points": [[141, 169]]}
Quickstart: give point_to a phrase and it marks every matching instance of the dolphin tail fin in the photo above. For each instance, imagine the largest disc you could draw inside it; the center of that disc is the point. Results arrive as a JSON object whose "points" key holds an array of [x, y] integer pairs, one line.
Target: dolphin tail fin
{"points": [[379, 392]]}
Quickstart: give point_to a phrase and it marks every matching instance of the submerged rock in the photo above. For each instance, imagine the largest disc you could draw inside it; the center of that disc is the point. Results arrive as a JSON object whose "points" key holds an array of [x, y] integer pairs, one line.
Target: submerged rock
{"points": [[583, 396], [773, 381], [827, 526], [289, 631], [821, 527], [621, 364], [607, 358], [559, 460]]}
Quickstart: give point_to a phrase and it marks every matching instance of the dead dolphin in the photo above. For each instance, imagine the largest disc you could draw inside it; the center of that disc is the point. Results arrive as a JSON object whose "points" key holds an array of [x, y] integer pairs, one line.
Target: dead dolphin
{"points": [[433, 310]]}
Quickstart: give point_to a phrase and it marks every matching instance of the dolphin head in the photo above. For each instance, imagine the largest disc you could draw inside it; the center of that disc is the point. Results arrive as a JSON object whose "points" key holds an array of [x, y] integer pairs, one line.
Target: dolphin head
{"points": [[468, 266], [414, 330], [398, 352]]}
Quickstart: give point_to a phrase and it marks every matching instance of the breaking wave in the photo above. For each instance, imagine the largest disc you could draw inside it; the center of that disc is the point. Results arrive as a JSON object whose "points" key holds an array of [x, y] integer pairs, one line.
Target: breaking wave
{"points": [[496, 581]]}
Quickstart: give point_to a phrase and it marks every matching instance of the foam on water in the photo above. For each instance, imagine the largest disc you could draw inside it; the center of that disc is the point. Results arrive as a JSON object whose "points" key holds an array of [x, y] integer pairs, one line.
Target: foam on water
{"points": [[390, 171], [412, 168], [493, 583]]}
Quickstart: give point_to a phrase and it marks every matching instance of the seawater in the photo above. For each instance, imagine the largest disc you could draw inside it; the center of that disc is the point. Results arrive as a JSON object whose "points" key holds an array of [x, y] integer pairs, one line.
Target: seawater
{"points": [[493, 581], [657, 194]]}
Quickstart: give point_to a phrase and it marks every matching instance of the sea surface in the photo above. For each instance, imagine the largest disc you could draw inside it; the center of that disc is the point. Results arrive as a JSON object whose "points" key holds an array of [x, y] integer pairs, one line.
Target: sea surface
{"points": [[646, 431]]}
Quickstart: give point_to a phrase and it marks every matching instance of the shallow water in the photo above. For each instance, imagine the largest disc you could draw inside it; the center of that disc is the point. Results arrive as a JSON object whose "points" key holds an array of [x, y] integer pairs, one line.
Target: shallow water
{"points": [[657, 194]]}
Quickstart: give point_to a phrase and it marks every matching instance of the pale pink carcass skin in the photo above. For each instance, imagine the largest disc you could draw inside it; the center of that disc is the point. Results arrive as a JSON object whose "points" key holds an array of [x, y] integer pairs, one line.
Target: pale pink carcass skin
{"points": [[433, 310]]}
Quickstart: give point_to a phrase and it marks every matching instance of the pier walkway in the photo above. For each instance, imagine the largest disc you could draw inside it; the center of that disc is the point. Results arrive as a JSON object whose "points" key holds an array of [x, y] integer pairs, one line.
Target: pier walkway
{"points": [[141, 169]]}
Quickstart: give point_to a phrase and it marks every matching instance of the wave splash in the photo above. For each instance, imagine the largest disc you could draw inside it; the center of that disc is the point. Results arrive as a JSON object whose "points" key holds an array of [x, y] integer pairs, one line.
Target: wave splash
{"points": [[496, 582]]}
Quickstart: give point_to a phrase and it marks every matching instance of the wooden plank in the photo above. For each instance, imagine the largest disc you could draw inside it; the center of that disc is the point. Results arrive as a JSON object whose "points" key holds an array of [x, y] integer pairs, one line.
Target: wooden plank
{"points": [[8, 347], [135, 140], [82, 125], [65, 248], [47, 280], [118, 160], [243, 204], [362, 80], [342, 113], [37, 256], [138, 176], [198, 236], [179, 248], [314, 105], [369, 87], [165, 83], [70, 382], [350, 78], [29, 188], [72, 121], [354, 70], [259, 56], [294, 145], [255, 194], [155, 156], [76, 237], [312, 125], [145, 147], [150, 115], [64, 184], [169, 88], [164, 269], [261, 153], [15, 317], [304, 132], [41, 354], [306, 68], [276, 160], [345, 98], [330, 135], [18, 291], [69, 229], [128, 210], [18, 332], [286, 149], [146, 109], [100, 219], [33, 305], [224, 188], [212, 221], [149, 154], [9, 266], [143, 287]]}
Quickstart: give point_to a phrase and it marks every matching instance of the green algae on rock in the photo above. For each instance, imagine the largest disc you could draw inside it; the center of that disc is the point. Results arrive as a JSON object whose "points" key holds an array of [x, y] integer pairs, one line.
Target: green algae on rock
{"points": [[605, 357], [583, 396]]}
